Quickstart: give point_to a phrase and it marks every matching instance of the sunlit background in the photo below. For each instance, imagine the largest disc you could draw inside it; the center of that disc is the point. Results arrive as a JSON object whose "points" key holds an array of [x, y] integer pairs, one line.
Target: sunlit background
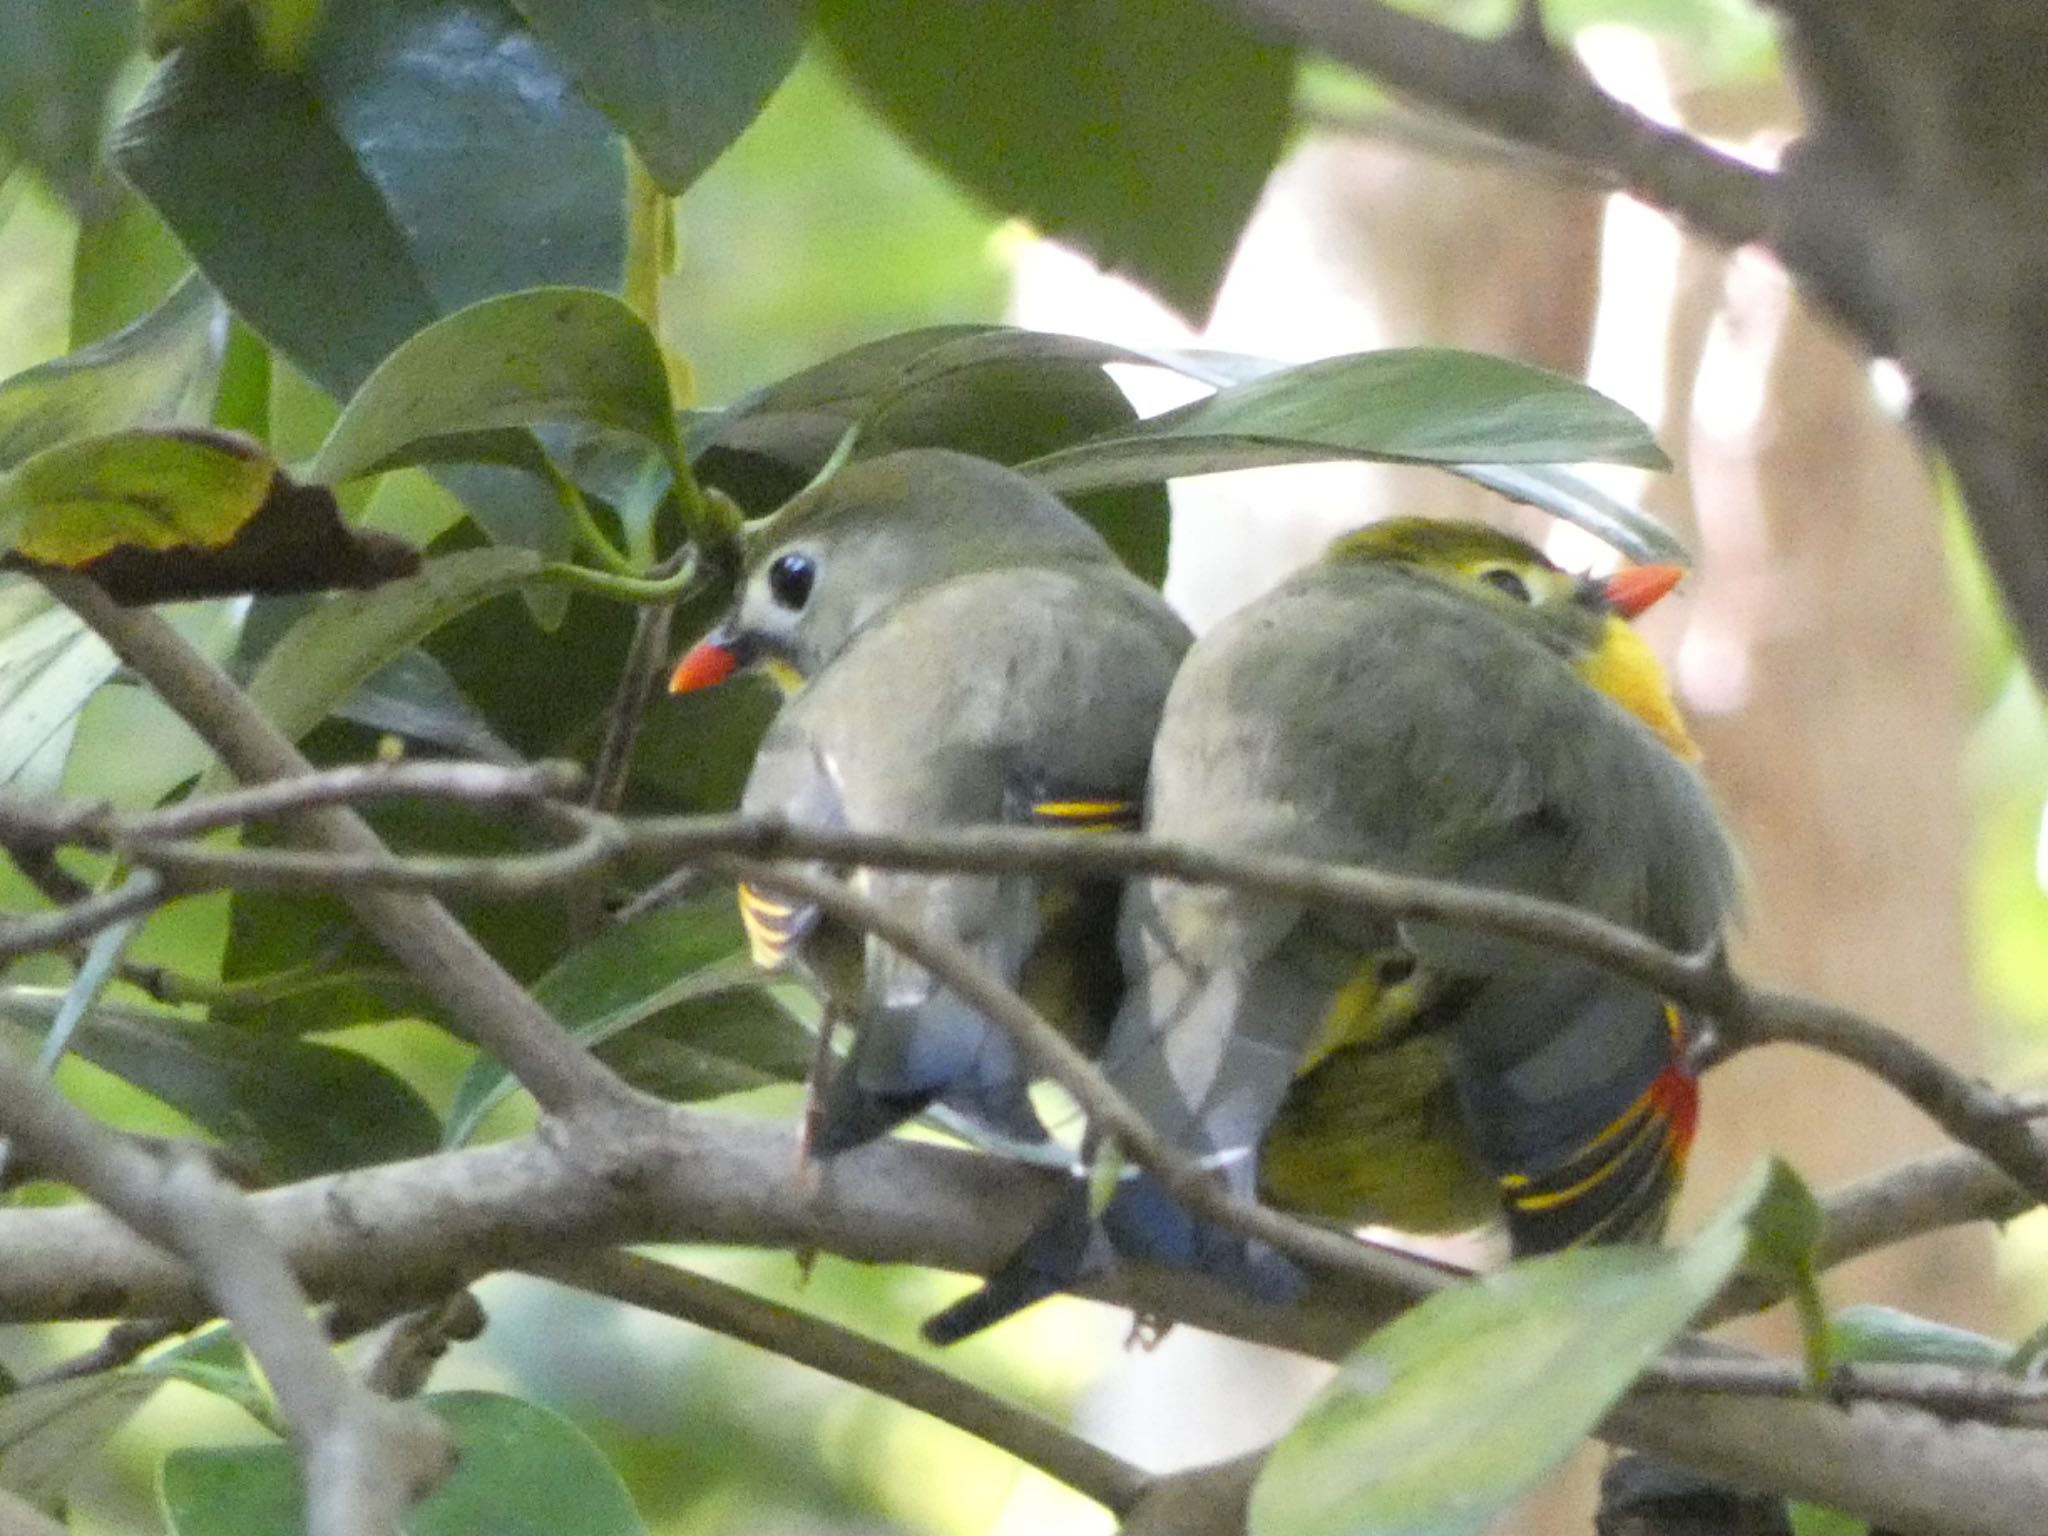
{"points": [[1879, 753]]}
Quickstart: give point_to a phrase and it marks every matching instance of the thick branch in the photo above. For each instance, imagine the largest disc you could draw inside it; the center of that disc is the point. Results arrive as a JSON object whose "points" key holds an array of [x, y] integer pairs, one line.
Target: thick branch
{"points": [[413, 1232], [1519, 88], [365, 1460]]}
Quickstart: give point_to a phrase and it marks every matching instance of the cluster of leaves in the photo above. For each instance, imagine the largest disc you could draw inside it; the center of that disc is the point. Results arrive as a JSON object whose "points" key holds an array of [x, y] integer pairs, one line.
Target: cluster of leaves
{"points": [[396, 321]]}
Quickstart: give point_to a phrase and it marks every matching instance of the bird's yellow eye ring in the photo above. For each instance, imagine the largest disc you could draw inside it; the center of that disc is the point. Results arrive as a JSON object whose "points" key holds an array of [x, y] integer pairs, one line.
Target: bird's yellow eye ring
{"points": [[1504, 579]]}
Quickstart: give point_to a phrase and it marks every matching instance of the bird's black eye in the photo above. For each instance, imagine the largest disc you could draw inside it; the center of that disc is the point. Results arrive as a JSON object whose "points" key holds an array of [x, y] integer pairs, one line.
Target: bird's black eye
{"points": [[1501, 579], [1394, 969], [790, 579]]}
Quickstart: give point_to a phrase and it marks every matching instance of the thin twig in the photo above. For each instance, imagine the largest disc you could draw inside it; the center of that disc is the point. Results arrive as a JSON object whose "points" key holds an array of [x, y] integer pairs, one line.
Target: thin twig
{"points": [[848, 1356], [475, 784], [1973, 1113], [1048, 1050], [480, 997], [139, 893], [1947, 1390], [122, 1344]]}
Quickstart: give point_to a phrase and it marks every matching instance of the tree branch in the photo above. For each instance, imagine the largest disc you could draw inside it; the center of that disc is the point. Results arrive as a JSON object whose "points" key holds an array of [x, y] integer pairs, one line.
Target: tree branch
{"points": [[1975, 1114], [481, 999], [839, 1352], [409, 1233], [1520, 88], [365, 1461]]}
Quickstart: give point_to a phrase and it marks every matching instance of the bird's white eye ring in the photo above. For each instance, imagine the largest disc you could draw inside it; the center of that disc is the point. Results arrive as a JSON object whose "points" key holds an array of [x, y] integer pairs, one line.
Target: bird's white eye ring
{"points": [[1503, 579]]}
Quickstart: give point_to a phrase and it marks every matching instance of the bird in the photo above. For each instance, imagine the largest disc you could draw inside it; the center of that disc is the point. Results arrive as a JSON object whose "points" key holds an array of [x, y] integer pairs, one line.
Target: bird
{"points": [[1434, 699], [957, 647]]}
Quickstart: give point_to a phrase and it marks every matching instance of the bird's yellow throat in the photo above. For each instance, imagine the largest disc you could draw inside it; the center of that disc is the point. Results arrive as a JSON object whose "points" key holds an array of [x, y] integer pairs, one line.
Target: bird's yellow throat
{"points": [[1622, 667]]}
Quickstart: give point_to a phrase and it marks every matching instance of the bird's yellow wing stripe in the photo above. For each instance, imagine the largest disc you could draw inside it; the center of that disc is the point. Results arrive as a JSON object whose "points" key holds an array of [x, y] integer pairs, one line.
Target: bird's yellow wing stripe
{"points": [[772, 926], [1087, 815]]}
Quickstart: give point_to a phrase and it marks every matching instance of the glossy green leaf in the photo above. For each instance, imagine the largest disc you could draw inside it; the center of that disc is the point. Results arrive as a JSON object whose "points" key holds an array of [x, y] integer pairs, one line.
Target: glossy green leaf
{"points": [[521, 1471], [1174, 110], [287, 1108], [626, 976], [59, 63], [1429, 405], [339, 645], [546, 355], [429, 154], [679, 78], [51, 1432], [160, 369], [1442, 1419]]}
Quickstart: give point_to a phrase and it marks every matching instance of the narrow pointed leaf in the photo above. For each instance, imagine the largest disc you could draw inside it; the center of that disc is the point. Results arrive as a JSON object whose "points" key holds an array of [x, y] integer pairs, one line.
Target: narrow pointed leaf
{"points": [[681, 79], [287, 1108], [1441, 1420], [1412, 405]]}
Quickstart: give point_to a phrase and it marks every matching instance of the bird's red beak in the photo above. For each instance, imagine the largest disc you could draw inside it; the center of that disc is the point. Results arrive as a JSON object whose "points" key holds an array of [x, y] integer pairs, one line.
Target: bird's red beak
{"points": [[1632, 591], [710, 660]]}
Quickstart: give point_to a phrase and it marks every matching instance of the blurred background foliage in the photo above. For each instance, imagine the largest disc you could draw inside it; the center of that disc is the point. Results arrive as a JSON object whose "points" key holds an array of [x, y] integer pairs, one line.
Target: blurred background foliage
{"points": [[820, 228]]}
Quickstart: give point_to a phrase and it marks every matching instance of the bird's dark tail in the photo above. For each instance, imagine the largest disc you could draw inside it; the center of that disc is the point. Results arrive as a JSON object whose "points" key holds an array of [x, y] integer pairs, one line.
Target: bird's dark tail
{"points": [[1142, 1223], [1066, 1247]]}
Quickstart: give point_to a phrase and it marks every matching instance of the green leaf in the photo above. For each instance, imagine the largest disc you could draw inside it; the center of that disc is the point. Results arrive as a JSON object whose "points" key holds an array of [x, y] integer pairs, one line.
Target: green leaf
{"points": [[214, 1361], [338, 646], [1430, 405], [124, 265], [154, 516], [685, 953], [1868, 1333], [680, 78], [546, 355], [51, 1432], [1819, 1520], [994, 391], [522, 1471], [427, 155], [1442, 1419], [160, 369], [1578, 501], [71, 504], [58, 66], [288, 1108], [1174, 110], [50, 664]]}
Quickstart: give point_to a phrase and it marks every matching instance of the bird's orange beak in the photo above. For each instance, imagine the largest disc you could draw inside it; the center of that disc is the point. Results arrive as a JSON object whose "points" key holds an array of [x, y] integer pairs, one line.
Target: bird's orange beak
{"points": [[710, 660], [1632, 591]]}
